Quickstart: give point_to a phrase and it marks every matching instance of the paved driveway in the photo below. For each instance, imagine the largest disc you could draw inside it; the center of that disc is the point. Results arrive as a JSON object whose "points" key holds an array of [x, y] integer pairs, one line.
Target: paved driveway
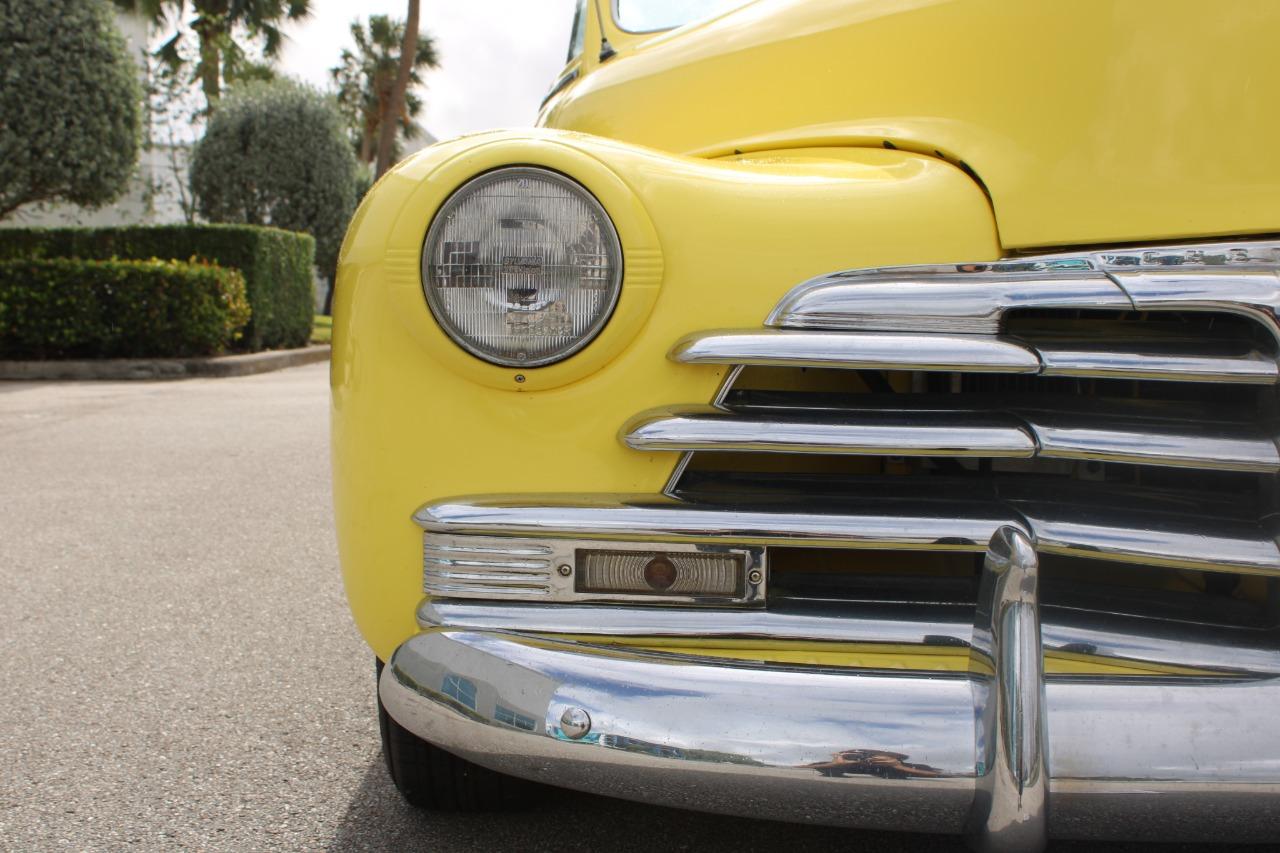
{"points": [[179, 669]]}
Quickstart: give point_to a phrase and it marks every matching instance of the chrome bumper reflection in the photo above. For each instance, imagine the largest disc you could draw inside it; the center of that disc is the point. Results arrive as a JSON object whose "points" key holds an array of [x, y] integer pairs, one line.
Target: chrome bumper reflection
{"points": [[1000, 752], [1127, 759], [850, 749]]}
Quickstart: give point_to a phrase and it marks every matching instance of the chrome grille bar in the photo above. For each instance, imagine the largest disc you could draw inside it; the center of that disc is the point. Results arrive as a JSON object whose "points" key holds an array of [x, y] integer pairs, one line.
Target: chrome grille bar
{"points": [[978, 353], [894, 433], [1248, 366], [1181, 540], [956, 432], [1237, 278], [1238, 448], [1177, 541], [653, 518], [1251, 290], [893, 351], [960, 299]]}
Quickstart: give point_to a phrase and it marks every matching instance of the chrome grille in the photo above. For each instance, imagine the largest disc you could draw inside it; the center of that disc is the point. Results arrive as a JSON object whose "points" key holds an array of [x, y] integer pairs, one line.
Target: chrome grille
{"points": [[1116, 405]]}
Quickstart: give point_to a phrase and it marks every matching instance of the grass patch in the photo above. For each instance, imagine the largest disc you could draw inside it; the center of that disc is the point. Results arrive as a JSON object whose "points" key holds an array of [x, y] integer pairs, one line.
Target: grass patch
{"points": [[322, 330]]}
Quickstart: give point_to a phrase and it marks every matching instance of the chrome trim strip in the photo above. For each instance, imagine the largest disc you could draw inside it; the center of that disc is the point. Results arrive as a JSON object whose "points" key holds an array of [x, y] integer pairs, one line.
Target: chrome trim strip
{"points": [[483, 590], [861, 433], [533, 550], [856, 748], [1249, 367], [1125, 639], [559, 86], [1181, 541], [492, 578], [971, 353], [1010, 809], [669, 489], [656, 519], [784, 348], [726, 385], [537, 567], [960, 299], [1238, 277], [923, 626], [1197, 445], [1253, 291], [955, 432]]}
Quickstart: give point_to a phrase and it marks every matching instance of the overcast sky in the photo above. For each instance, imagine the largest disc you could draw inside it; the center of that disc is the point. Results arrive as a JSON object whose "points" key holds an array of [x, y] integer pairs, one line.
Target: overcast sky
{"points": [[498, 57]]}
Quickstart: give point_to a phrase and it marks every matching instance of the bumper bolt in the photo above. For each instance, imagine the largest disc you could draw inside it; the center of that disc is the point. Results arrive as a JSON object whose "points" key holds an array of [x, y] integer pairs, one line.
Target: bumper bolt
{"points": [[575, 723], [564, 570], [755, 576]]}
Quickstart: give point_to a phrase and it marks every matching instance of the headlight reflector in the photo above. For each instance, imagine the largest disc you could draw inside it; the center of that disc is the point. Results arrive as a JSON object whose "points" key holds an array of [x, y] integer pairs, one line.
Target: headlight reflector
{"points": [[522, 267]]}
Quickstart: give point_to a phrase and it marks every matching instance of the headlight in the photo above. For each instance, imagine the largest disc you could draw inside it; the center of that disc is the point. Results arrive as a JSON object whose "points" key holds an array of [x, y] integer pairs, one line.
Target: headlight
{"points": [[522, 267]]}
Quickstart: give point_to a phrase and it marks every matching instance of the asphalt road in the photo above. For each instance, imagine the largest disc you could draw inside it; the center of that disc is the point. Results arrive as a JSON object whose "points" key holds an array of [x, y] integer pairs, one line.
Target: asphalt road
{"points": [[178, 667]]}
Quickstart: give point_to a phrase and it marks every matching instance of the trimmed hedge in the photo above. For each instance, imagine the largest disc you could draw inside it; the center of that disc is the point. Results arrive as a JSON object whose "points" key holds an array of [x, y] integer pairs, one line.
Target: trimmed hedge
{"points": [[71, 308], [276, 265]]}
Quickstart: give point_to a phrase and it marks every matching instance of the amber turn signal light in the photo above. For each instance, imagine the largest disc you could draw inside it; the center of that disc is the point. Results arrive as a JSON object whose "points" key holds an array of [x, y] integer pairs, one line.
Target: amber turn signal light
{"points": [[686, 573]]}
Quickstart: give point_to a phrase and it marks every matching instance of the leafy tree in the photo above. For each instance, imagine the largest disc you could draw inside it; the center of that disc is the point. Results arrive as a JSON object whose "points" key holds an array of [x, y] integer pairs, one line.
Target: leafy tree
{"points": [[367, 75], [275, 153], [223, 28], [70, 104]]}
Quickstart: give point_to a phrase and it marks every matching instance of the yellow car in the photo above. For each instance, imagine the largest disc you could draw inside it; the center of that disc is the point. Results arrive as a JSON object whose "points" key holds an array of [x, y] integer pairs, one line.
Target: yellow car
{"points": [[836, 378]]}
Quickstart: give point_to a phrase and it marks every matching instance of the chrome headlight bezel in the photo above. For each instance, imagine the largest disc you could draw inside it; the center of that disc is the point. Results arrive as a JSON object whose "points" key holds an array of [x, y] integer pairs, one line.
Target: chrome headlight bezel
{"points": [[608, 234]]}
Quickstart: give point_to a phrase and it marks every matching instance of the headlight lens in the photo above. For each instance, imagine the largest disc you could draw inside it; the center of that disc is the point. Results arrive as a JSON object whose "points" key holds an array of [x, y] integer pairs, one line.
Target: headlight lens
{"points": [[522, 267]]}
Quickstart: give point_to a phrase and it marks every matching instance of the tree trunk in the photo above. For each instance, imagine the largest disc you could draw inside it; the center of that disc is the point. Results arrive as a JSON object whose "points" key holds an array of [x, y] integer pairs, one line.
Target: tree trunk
{"points": [[209, 69], [366, 145], [388, 126]]}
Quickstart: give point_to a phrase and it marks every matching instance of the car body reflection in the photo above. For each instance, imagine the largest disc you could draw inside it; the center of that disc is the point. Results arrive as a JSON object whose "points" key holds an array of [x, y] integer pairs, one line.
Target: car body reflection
{"points": [[874, 762]]}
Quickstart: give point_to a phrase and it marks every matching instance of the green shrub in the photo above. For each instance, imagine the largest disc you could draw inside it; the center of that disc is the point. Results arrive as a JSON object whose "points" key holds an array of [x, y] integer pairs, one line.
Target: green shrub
{"points": [[70, 308], [276, 265]]}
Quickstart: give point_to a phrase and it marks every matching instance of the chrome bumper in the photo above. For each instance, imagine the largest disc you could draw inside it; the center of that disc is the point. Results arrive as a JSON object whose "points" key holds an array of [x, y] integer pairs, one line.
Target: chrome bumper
{"points": [[1000, 752], [1170, 760]]}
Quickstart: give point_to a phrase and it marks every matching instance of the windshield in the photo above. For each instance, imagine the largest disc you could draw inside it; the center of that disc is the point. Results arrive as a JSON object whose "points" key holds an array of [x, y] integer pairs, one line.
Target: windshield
{"points": [[578, 34], [644, 16]]}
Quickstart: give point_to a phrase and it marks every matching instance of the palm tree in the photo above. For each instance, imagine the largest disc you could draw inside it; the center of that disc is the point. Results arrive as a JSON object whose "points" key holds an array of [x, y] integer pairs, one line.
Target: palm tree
{"points": [[220, 27], [396, 101], [367, 77]]}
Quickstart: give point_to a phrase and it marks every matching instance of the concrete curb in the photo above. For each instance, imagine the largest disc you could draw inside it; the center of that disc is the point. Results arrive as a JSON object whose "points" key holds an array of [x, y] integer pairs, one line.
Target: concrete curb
{"points": [[162, 368]]}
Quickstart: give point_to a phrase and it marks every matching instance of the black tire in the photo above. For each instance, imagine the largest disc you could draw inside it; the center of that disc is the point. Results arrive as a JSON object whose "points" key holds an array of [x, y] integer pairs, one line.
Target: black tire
{"points": [[430, 778]]}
